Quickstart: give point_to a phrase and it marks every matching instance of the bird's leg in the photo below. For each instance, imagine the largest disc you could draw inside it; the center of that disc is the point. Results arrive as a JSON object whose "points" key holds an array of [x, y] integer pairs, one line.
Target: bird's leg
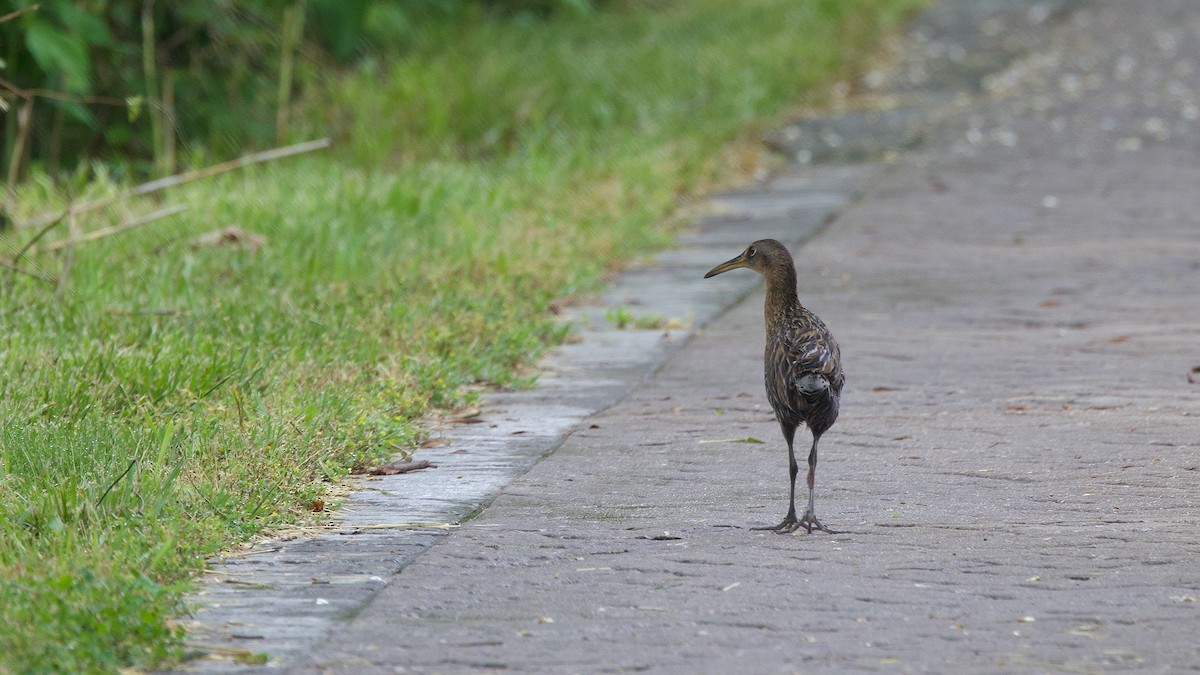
{"points": [[809, 521], [790, 523]]}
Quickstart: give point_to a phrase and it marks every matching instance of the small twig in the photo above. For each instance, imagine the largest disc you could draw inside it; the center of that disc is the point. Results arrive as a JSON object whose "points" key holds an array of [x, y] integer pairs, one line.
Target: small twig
{"points": [[399, 467], [12, 15], [406, 526], [117, 229], [237, 398], [26, 94], [118, 480], [235, 652], [187, 177], [41, 233], [18, 152], [17, 269]]}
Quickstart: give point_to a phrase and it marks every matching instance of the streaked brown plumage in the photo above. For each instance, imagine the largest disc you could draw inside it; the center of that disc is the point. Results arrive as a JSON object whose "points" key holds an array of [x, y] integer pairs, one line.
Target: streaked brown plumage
{"points": [[803, 365]]}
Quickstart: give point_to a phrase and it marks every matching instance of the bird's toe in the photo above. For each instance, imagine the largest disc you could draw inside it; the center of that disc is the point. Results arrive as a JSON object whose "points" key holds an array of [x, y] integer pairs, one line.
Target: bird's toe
{"points": [[788, 526], [810, 523]]}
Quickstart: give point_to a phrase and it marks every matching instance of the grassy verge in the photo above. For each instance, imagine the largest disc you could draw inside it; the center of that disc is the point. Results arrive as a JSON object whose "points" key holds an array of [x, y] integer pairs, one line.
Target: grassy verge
{"points": [[177, 397]]}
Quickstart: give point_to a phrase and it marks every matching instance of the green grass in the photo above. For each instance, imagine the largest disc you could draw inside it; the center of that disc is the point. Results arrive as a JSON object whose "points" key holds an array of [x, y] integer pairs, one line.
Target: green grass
{"points": [[176, 399]]}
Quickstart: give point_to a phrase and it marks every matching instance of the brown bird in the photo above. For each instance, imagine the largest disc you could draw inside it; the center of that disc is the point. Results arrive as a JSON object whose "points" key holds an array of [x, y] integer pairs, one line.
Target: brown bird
{"points": [[802, 362]]}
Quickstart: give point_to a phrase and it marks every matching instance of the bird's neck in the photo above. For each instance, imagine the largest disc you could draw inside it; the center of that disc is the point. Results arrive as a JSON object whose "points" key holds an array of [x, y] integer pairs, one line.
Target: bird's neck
{"points": [[781, 300]]}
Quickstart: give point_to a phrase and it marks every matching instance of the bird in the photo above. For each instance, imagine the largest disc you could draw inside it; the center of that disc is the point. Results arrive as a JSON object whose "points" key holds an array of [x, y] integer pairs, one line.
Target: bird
{"points": [[802, 367]]}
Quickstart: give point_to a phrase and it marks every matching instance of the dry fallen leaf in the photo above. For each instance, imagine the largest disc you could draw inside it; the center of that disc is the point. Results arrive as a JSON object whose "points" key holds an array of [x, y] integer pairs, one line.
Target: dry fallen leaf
{"points": [[397, 467], [467, 416], [665, 536], [232, 236]]}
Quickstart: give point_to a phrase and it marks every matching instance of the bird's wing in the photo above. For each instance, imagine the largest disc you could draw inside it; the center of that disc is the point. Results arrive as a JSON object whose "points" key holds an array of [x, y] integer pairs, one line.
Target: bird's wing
{"points": [[814, 352]]}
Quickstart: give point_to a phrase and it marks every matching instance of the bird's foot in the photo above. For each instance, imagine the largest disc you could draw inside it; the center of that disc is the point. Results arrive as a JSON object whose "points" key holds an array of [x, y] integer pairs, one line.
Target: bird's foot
{"points": [[790, 524], [810, 523]]}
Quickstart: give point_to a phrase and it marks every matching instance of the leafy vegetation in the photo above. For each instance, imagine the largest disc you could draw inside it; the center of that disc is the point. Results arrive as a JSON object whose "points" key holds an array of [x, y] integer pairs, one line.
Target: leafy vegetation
{"points": [[178, 396], [125, 80]]}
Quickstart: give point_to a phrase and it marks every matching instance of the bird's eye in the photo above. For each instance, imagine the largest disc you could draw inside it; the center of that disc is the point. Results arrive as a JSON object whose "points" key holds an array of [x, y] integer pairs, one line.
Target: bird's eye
{"points": [[750, 252]]}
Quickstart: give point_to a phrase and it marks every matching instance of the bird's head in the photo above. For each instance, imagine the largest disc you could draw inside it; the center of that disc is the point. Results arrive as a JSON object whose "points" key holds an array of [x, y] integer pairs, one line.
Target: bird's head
{"points": [[761, 256]]}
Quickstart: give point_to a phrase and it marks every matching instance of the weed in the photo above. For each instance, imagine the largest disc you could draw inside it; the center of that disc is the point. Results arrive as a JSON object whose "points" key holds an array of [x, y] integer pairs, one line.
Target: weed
{"points": [[623, 317]]}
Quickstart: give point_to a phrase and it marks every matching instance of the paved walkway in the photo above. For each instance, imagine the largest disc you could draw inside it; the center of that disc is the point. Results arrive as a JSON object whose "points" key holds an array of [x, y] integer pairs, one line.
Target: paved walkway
{"points": [[1016, 465]]}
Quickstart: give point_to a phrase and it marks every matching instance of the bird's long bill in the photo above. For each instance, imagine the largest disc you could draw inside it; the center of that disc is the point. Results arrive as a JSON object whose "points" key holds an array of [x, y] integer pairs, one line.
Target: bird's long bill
{"points": [[737, 262]]}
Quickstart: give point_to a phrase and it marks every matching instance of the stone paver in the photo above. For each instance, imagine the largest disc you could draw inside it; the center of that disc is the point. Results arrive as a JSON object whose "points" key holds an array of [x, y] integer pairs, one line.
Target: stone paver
{"points": [[1016, 462]]}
